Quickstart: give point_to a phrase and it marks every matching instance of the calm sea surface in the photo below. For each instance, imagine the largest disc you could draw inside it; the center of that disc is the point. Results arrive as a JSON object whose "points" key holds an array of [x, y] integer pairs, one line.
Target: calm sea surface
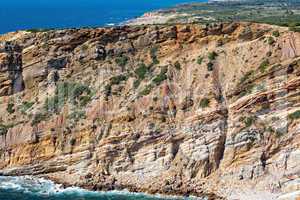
{"points": [[29, 14]]}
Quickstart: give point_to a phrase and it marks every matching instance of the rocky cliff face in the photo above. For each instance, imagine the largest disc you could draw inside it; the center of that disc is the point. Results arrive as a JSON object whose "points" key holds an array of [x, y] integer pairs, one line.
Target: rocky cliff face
{"points": [[162, 109]]}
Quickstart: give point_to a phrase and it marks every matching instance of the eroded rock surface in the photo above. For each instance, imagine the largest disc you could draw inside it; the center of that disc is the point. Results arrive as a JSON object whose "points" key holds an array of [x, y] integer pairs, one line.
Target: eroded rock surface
{"points": [[186, 109]]}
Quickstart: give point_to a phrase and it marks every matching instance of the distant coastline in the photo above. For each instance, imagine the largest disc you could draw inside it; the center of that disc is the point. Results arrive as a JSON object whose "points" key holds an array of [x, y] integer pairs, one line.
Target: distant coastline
{"points": [[33, 15]]}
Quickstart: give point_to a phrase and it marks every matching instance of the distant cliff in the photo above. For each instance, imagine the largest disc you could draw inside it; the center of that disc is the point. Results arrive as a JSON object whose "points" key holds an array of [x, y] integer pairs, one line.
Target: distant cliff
{"points": [[188, 109]]}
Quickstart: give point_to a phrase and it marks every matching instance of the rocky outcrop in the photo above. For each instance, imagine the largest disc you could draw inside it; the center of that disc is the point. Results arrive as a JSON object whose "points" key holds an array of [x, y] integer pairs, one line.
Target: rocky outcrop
{"points": [[11, 69], [187, 109]]}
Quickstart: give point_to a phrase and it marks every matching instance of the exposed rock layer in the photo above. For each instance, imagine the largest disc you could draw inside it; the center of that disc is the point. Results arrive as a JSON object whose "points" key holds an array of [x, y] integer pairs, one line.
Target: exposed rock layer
{"points": [[161, 109]]}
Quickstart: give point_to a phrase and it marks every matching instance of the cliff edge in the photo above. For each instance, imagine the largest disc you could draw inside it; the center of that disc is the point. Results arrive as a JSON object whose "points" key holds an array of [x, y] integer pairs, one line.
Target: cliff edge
{"points": [[186, 109]]}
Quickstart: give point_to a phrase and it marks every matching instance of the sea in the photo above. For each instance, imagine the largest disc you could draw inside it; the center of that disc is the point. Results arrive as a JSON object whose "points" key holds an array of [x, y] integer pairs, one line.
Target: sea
{"points": [[48, 14], [29, 188]]}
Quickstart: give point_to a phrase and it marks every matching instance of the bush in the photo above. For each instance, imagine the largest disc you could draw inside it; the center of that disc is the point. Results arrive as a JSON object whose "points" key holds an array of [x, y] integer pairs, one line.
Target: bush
{"points": [[76, 93], [210, 66], [212, 55], [281, 131], [248, 89], [38, 30], [84, 47], [116, 80], [177, 65], [10, 108], [84, 100], [77, 115], [204, 102], [78, 90], [72, 141], [141, 71], [160, 77], [25, 107], [136, 83], [38, 118], [199, 60], [248, 121], [263, 66], [107, 90], [4, 129], [295, 115], [271, 40], [146, 91], [153, 54], [276, 33], [246, 76], [295, 29], [122, 61]]}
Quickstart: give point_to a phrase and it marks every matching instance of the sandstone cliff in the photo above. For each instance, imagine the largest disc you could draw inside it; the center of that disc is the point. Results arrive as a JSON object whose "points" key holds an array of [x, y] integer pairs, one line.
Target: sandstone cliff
{"points": [[205, 110]]}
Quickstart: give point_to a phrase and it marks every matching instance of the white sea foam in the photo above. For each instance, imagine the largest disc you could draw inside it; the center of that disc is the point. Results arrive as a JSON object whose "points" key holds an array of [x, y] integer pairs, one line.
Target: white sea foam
{"points": [[110, 24], [43, 187]]}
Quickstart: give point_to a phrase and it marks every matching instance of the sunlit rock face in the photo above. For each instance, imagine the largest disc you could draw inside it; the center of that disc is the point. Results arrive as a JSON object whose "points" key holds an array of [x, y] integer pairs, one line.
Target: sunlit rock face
{"points": [[186, 109]]}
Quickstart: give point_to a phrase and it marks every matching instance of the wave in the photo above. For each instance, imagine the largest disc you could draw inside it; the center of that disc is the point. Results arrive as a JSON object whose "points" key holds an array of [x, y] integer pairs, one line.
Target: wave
{"points": [[39, 188]]}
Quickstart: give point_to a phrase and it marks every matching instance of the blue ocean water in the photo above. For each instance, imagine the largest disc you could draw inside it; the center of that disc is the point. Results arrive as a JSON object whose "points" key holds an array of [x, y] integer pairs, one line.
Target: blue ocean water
{"points": [[29, 14], [28, 188]]}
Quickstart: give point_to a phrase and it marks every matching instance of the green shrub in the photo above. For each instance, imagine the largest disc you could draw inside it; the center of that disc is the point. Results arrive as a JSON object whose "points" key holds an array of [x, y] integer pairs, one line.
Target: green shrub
{"points": [[72, 141], [248, 121], [281, 131], [79, 89], [199, 60], [212, 55], [107, 90], [293, 24], [3, 130], [271, 40], [38, 118], [25, 107], [295, 29], [53, 104], [263, 66], [146, 90], [276, 33], [84, 100], [246, 76], [10, 108], [153, 54], [177, 65], [116, 80], [141, 71], [84, 47], [295, 115], [204, 102], [210, 66], [122, 61], [38, 30], [160, 77], [248, 90], [136, 83], [270, 129], [155, 61], [77, 115], [75, 93]]}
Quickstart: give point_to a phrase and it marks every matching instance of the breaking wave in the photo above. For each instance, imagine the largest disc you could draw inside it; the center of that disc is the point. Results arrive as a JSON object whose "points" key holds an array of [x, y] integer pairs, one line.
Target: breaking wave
{"points": [[29, 188]]}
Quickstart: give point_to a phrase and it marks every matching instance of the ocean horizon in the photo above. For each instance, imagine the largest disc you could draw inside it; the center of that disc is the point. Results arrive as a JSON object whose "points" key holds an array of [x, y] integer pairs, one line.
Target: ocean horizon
{"points": [[44, 14]]}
